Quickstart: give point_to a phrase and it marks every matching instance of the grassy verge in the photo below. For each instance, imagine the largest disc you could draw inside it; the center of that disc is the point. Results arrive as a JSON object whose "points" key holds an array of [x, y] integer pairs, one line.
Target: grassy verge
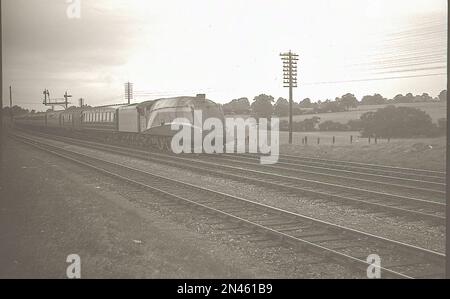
{"points": [[425, 153]]}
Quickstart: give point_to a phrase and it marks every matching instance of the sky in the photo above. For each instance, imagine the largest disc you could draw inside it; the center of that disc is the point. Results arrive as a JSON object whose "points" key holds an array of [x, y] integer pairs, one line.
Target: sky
{"points": [[226, 49]]}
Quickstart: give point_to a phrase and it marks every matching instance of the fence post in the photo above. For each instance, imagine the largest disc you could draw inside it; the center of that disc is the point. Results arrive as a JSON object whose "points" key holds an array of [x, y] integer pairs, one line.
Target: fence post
{"points": [[351, 139], [369, 139], [306, 140], [376, 139], [334, 139], [318, 140]]}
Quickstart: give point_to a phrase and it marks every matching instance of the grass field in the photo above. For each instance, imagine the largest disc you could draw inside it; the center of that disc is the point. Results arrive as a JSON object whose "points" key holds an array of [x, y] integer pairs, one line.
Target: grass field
{"points": [[424, 153], [435, 110]]}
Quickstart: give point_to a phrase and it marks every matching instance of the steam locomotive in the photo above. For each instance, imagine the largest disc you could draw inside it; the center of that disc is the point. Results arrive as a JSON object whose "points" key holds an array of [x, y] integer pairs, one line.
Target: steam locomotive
{"points": [[146, 124]]}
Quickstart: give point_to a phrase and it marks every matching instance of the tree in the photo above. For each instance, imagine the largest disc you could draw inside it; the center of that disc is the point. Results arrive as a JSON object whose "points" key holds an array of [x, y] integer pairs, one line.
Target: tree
{"points": [[394, 121], [306, 103], [329, 106], [262, 106], [296, 109], [16, 110], [442, 125], [281, 107], [309, 124], [398, 98], [376, 99], [409, 98], [238, 106], [443, 96], [347, 101], [425, 97], [332, 126], [354, 125]]}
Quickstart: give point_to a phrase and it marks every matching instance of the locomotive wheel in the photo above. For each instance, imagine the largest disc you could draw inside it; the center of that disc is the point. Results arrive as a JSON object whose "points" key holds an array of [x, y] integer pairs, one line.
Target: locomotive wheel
{"points": [[168, 145], [161, 144], [164, 144]]}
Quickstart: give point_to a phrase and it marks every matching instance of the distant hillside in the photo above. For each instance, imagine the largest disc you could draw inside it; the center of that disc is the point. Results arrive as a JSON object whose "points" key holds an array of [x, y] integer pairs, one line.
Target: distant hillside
{"points": [[436, 110]]}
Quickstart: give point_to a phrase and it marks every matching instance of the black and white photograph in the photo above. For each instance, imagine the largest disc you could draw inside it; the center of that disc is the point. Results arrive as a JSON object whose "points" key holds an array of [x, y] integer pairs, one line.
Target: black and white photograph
{"points": [[251, 141]]}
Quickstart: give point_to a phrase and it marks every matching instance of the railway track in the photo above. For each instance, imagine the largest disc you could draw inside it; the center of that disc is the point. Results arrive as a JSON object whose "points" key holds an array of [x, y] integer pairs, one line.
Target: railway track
{"points": [[383, 170], [434, 194], [403, 206], [359, 176], [398, 260]]}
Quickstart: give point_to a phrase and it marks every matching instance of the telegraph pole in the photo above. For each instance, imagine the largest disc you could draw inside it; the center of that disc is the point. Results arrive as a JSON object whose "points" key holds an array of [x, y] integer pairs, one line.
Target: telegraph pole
{"points": [[128, 92], [10, 105], [66, 97], [290, 81]]}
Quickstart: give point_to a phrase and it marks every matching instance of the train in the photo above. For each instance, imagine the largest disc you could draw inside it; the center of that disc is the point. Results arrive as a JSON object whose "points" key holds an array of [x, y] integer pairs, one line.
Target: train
{"points": [[146, 124]]}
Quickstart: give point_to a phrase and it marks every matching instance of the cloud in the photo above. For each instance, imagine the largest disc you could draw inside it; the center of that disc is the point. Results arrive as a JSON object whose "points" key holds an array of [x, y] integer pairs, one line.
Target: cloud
{"points": [[226, 48], [42, 45]]}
